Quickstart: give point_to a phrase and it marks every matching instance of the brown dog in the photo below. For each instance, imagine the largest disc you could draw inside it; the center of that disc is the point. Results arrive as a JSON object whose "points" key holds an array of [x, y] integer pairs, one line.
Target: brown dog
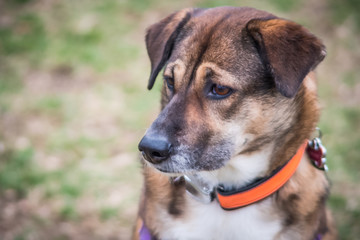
{"points": [[225, 157]]}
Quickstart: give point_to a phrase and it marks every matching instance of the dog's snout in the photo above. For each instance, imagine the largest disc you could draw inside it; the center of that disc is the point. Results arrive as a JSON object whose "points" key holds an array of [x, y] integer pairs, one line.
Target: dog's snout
{"points": [[155, 149]]}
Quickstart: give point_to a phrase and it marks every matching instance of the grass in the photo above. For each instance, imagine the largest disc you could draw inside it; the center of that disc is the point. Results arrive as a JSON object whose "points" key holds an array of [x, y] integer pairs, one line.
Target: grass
{"points": [[74, 104], [344, 10], [18, 171]]}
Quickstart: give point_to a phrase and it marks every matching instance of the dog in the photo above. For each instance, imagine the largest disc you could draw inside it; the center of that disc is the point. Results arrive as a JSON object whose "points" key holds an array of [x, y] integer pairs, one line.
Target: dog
{"points": [[225, 158]]}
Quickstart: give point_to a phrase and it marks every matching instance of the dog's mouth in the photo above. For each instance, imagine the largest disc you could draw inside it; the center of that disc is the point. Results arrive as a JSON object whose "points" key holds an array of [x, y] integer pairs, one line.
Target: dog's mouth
{"points": [[168, 165], [171, 171]]}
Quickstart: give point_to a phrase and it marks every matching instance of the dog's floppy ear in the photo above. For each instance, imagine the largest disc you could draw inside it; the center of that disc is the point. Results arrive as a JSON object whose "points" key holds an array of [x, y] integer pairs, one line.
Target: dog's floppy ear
{"points": [[160, 38], [288, 50]]}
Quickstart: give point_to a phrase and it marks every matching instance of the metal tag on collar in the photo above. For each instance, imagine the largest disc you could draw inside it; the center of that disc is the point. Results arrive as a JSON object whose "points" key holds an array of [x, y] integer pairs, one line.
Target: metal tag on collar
{"points": [[198, 189], [317, 152]]}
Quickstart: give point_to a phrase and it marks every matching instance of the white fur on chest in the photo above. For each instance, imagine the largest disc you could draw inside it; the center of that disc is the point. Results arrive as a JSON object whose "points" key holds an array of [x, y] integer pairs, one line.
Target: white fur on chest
{"points": [[210, 221]]}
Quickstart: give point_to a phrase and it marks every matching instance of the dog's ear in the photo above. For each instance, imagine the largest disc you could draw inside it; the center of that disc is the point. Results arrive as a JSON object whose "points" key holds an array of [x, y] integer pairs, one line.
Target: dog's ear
{"points": [[160, 38], [288, 50]]}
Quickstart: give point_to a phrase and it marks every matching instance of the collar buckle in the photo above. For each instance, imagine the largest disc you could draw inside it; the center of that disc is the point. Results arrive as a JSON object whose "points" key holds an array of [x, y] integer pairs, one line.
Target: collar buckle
{"points": [[199, 190]]}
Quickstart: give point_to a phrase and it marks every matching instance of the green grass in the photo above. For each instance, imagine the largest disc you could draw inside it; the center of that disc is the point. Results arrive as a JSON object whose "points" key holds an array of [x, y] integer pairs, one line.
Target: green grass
{"points": [[9, 81], [26, 34], [341, 11], [286, 5], [348, 219], [107, 213], [68, 211], [19, 172]]}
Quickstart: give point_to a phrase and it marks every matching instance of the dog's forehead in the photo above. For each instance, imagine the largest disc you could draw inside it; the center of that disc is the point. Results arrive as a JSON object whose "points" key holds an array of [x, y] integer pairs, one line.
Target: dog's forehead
{"points": [[209, 37], [216, 37]]}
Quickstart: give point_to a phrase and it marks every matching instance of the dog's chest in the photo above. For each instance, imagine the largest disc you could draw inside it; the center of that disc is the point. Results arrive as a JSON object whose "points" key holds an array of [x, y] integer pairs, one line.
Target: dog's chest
{"points": [[209, 221]]}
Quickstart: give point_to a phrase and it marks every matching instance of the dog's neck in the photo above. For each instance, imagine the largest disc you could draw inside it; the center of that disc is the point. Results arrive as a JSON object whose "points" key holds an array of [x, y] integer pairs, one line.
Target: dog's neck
{"points": [[240, 170], [232, 198]]}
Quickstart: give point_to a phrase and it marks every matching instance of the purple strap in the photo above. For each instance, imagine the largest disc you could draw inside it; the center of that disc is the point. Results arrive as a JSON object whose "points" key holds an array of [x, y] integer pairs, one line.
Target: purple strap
{"points": [[318, 237], [144, 233]]}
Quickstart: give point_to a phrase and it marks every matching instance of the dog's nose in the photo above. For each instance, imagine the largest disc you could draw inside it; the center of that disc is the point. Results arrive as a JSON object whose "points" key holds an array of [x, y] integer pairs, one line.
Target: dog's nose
{"points": [[155, 149]]}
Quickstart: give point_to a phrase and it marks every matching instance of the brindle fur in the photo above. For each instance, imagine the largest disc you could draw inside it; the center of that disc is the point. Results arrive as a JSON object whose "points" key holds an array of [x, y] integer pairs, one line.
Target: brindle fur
{"points": [[268, 62]]}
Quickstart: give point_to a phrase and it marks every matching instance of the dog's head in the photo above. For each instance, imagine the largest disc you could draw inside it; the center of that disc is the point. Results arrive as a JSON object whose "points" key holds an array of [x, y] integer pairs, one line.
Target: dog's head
{"points": [[232, 84]]}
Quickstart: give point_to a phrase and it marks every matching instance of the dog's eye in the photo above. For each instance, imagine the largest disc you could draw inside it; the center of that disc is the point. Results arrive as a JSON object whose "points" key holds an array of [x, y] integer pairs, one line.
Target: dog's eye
{"points": [[220, 91], [169, 82]]}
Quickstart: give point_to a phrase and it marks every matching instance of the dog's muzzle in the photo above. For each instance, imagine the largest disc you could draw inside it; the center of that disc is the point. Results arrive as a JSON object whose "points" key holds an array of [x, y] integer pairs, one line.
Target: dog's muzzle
{"points": [[154, 148]]}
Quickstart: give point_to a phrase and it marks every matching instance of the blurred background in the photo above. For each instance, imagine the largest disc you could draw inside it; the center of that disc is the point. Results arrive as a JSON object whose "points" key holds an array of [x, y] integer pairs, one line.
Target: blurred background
{"points": [[74, 104]]}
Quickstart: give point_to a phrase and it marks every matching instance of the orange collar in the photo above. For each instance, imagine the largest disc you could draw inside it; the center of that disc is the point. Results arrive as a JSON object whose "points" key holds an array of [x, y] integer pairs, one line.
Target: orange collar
{"points": [[261, 189]]}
